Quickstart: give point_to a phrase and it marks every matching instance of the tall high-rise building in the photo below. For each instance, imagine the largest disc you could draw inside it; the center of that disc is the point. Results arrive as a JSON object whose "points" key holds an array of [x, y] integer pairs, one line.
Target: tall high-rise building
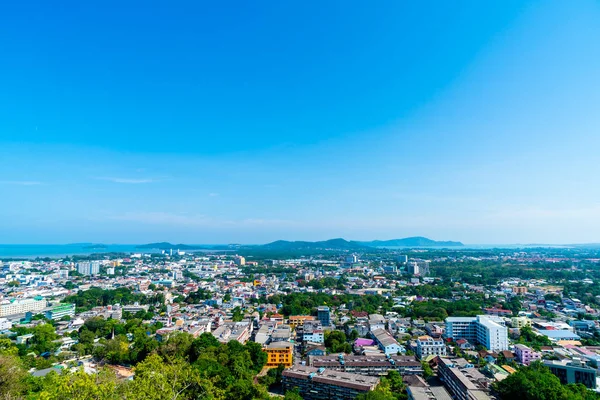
{"points": [[88, 267], [324, 315], [486, 330], [351, 259], [239, 260], [418, 267]]}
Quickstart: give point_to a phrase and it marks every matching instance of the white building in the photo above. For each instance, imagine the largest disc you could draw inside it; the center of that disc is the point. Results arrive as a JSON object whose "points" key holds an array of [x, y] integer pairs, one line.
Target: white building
{"points": [[240, 261], [351, 259], [88, 267], [239, 331], [426, 346], [486, 330], [5, 324], [22, 306], [386, 342], [313, 332], [376, 321]]}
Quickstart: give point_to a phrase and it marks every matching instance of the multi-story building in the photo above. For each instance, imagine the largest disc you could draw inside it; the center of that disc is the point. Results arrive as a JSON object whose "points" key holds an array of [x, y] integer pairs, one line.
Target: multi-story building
{"points": [[22, 306], [351, 259], [526, 355], [462, 383], [239, 331], [520, 322], [279, 353], [418, 267], [63, 310], [324, 315], [372, 365], [312, 331], [239, 260], [296, 320], [376, 321], [386, 342], [574, 371], [486, 330], [428, 346], [5, 324], [88, 268], [324, 384]]}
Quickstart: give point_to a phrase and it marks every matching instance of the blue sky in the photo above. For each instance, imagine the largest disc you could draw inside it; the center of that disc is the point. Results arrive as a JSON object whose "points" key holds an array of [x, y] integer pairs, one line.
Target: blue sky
{"points": [[130, 122]]}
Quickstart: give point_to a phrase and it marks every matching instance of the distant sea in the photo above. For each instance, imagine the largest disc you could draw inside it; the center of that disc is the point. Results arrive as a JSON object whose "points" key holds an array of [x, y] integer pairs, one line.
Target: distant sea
{"points": [[62, 250], [28, 251]]}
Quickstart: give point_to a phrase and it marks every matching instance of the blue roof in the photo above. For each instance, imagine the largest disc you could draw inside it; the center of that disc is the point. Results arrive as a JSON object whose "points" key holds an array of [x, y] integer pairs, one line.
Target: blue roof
{"points": [[558, 334]]}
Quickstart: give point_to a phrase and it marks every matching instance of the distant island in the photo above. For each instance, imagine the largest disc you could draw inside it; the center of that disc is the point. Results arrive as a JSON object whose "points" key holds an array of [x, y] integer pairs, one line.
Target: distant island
{"points": [[416, 241], [331, 244], [95, 246]]}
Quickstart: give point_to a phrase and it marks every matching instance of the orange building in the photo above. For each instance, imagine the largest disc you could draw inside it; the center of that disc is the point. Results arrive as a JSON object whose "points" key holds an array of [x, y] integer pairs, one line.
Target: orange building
{"points": [[297, 320], [279, 353]]}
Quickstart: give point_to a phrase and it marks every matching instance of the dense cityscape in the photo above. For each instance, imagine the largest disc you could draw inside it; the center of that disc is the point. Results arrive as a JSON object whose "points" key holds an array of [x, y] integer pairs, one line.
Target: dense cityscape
{"points": [[310, 200], [421, 323]]}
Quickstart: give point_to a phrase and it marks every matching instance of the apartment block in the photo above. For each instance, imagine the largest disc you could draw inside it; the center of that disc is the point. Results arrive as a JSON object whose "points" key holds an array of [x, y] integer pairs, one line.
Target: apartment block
{"points": [[526, 355], [22, 306], [312, 331], [324, 315], [88, 268], [486, 330], [297, 320], [427, 346], [324, 384], [463, 382], [574, 371], [372, 365], [520, 322], [60, 311], [279, 353]]}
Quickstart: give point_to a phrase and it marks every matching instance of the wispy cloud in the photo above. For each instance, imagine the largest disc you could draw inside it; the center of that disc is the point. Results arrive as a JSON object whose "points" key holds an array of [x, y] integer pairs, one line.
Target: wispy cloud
{"points": [[132, 181], [196, 220], [213, 194], [21, 183]]}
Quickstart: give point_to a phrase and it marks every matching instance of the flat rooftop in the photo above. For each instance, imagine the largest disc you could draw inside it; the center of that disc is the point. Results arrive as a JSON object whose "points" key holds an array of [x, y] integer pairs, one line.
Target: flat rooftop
{"points": [[334, 378]]}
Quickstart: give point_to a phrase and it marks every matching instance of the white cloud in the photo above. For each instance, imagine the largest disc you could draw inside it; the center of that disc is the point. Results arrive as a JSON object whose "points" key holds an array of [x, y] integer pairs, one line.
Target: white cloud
{"points": [[198, 220], [213, 194]]}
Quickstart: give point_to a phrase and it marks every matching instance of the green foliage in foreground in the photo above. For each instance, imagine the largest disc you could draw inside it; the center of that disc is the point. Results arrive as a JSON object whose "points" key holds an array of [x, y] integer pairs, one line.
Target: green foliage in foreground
{"points": [[180, 368], [536, 382], [390, 388]]}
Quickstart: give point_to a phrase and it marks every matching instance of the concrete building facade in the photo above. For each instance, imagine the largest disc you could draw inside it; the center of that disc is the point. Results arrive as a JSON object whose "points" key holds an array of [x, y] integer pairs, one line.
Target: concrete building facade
{"points": [[486, 330], [324, 384]]}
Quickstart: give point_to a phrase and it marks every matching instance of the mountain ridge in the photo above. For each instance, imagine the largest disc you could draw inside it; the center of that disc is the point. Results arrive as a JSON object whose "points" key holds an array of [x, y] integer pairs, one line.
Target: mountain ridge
{"points": [[330, 244]]}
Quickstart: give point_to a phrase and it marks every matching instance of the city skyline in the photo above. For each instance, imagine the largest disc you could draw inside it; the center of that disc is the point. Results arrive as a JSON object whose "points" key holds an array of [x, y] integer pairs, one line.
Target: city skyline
{"points": [[467, 122]]}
